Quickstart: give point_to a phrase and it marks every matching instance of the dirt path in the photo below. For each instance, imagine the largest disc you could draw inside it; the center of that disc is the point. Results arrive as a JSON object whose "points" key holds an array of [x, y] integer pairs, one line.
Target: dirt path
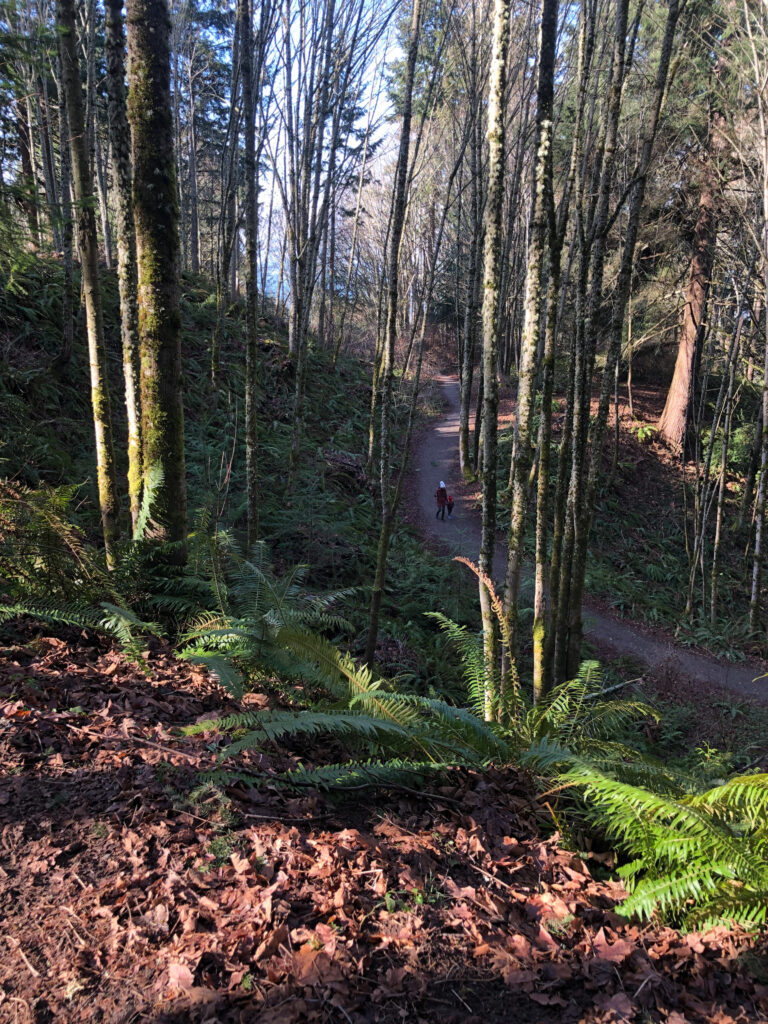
{"points": [[437, 458]]}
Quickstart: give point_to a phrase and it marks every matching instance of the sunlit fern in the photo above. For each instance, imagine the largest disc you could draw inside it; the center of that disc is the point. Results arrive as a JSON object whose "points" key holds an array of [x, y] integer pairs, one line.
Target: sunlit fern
{"points": [[697, 858]]}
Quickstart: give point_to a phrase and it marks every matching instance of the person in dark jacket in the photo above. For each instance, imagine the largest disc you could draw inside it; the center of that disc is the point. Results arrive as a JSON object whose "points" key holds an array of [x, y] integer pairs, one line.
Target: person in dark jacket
{"points": [[441, 496]]}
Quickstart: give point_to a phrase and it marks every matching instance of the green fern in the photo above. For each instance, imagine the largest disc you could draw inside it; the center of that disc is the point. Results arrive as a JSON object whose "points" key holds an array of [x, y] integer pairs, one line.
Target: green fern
{"points": [[248, 607], [108, 619], [697, 858]]}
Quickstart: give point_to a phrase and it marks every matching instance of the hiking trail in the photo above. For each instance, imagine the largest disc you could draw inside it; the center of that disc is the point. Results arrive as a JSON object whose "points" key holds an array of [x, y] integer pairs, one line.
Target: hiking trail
{"points": [[437, 458]]}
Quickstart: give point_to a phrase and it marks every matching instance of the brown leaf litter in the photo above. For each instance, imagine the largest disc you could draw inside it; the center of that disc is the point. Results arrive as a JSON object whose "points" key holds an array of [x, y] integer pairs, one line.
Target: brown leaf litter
{"points": [[125, 897]]}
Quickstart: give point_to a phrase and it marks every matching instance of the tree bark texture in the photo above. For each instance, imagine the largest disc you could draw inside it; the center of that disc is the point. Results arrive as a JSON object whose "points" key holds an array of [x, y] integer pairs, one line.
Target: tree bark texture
{"points": [[126, 243], [89, 262], [251, 271], [156, 221], [674, 418], [535, 275], [490, 320]]}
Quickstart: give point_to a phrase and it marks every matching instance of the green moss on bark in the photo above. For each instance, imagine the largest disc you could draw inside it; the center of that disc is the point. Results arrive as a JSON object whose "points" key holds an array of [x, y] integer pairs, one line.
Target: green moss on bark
{"points": [[156, 216]]}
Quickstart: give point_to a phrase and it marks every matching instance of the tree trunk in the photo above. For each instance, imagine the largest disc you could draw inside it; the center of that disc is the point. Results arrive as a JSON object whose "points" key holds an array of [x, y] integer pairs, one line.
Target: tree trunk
{"points": [[156, 220], [390, 337], [49, 170], [537, 266], [620, 297], [28, 201], [89, 261], [490, 318], [101, 181], [65, 172], [473, 296], [126, 243], [251, 271], [194, 226], [674, 418]]}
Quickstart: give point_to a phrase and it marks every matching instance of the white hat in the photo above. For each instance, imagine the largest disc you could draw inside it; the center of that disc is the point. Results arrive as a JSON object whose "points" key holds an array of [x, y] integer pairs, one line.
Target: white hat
{"points": [[442, 483]]}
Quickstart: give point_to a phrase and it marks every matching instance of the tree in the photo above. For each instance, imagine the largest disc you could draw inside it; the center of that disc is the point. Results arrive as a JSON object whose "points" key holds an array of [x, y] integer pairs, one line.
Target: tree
{"points": [[537, 268], [126, 243], [89, 264], [251, 271], [399, 201], [490, 318], [155, 209], [674, 418]]}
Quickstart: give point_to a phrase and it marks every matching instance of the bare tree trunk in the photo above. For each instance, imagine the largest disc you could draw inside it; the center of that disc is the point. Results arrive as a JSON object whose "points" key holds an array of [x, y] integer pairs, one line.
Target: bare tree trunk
{"points": [[251, 272], [674, 418], [473, 291], [227, 219], [67, 299], [388, 355], [194, 226], [89, 261], [101, 181]]}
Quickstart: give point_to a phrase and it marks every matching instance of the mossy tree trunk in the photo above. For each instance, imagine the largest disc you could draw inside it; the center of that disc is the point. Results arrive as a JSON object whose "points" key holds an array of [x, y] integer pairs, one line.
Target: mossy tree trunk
{"points": [[544, 625], [538, 256], [126, 242], [490, 318], [156, 221], [89, 262]]}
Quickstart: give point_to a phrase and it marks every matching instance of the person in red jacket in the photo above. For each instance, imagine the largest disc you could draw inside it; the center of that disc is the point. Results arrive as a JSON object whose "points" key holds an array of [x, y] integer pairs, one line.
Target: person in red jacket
{"points": [[450, 506], [441, 496]]}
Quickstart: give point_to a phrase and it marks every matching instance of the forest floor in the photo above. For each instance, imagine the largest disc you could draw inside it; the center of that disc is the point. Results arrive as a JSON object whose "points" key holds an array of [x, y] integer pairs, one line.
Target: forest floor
{"points": [[128, 896], [437, 458]]}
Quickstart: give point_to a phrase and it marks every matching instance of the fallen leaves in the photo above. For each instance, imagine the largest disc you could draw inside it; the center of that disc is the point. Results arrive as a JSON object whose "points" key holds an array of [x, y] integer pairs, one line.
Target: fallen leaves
{"points": [[122, 895]]}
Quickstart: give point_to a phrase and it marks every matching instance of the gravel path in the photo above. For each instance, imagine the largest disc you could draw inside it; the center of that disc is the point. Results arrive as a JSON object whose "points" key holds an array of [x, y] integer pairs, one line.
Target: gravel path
{"points": [[437, 458]]}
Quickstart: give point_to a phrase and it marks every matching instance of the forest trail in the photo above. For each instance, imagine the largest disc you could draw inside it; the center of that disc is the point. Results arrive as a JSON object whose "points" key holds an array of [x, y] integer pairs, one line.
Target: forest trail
{"points": [[437, 458]]}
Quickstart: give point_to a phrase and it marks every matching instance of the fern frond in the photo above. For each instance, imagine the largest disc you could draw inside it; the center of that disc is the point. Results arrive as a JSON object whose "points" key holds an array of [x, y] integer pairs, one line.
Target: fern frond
{"points": [[273, 725], [345, 680], [152, 487], [366, 774], [470, 648], [220, 666]]}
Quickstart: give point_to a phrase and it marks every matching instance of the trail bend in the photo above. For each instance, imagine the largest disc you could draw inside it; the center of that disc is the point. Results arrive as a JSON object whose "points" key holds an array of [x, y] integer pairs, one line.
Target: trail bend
{"points": [[437, 458]]}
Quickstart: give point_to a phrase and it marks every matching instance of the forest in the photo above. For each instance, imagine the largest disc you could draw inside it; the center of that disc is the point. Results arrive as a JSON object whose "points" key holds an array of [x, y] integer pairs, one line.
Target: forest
{"points": [[383, 511]]}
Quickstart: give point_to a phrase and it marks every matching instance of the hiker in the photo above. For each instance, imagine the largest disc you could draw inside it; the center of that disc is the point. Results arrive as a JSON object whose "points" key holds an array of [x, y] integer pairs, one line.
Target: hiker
{"points": [[450, 506], [441, 496]]}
